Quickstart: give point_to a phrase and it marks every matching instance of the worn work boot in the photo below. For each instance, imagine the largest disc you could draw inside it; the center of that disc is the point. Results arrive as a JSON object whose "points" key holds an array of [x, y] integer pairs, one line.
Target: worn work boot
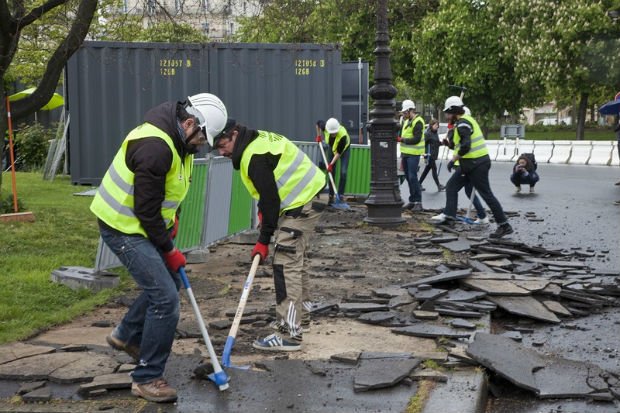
{"points": [[518, 189], [503, 229], [417, 207], [441, 188], [158, 391], [409, 205], [117, 344], [532, 190]]}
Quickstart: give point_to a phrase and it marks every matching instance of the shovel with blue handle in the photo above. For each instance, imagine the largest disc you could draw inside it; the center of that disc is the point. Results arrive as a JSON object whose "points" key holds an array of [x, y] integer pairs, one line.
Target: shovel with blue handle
{"points": [[218, 376]]}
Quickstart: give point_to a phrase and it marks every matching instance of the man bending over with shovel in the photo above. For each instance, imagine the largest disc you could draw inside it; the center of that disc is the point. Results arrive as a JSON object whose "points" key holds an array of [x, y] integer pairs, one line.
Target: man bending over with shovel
{"points": [[285, 182], [338, 142]]}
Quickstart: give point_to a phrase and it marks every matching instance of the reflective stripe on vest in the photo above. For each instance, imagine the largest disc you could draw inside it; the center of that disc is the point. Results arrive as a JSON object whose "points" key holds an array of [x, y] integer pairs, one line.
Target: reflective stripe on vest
{"points": [[297, 178], [114, 201], [478, 147], [342, 133], [407, 133]]}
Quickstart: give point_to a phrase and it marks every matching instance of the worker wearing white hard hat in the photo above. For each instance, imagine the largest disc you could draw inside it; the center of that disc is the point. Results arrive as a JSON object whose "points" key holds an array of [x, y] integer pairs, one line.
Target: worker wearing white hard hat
{"points": [[338, 144], [412, 147], [136, 208], [472, 154]]}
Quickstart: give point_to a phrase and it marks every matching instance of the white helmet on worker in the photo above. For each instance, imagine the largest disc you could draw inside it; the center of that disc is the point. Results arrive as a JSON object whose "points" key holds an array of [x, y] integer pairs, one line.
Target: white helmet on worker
{"points": [[467, 111], [407, 105], [452, 103], [211, 114], [332, 125]]}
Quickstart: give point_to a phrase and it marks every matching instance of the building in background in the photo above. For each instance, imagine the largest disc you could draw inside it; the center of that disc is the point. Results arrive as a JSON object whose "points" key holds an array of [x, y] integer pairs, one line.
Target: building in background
{"points": [[548, 114], [215, 18]]}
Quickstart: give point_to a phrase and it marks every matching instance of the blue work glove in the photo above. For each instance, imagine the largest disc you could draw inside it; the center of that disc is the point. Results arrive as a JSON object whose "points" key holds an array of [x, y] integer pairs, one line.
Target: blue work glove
{"points": [[450, 166]]}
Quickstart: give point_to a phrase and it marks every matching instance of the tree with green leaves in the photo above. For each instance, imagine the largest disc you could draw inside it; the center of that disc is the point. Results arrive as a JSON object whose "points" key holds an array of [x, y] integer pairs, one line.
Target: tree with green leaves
{"points": [[568, 48], [16, 16], [340, 21]]}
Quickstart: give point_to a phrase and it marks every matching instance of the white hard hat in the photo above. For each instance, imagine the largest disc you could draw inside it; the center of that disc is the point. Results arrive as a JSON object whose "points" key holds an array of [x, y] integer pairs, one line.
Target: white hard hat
{"points": [[211, 113], [407, 104], [467, 111], [453, 102], [332, 125]]}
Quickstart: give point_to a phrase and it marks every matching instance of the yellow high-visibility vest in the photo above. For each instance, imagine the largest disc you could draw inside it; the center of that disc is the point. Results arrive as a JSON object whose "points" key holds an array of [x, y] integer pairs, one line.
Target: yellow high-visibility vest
{"points": [[478, 147], [407, 133], [114, 200], [341, 134], [297, 178]]}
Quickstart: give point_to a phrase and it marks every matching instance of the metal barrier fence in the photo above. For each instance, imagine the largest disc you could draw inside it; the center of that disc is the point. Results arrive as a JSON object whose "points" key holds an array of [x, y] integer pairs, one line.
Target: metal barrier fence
{"points": [[559, 151]]}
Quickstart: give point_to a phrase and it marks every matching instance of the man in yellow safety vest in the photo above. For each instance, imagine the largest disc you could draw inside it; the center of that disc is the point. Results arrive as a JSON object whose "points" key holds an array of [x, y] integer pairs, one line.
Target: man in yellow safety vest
{"points": [[412, 147], [285, 182], [136, 207], [472, 155]]}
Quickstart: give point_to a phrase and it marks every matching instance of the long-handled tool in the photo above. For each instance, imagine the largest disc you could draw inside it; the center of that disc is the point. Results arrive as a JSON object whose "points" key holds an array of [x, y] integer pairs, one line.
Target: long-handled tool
{"points": [[218, 376], [466, 219], [339, 204], [230, 340], [443, 155]]}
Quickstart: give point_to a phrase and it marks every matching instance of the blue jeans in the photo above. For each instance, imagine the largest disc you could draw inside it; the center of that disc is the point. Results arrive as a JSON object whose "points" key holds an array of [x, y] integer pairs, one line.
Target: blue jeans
{"points": [[151, 321], [518, 179], [410, 166], [344, 166]]}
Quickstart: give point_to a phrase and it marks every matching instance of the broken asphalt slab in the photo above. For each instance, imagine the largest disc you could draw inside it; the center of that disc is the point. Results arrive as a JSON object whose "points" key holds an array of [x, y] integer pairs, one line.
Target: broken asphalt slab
{"points": [[59, 367], [546, 376]]}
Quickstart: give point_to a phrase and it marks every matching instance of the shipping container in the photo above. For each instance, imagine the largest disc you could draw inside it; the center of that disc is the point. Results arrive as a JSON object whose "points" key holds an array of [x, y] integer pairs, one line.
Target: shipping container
{"points": [[283, 88], [355, 100], [110, 87]]}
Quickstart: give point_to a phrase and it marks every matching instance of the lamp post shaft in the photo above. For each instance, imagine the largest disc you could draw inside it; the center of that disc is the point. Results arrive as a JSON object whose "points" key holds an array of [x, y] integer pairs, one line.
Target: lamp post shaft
{"points": [[384, 202]]}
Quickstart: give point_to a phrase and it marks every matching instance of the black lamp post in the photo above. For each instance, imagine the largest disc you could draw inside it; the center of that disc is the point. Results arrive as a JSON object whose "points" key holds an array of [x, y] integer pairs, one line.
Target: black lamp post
{"points": [[384, 202]]}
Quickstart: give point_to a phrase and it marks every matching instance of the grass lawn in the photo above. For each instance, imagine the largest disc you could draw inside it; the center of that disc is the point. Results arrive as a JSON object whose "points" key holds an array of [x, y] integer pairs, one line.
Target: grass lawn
{"points": [[64, 233]]}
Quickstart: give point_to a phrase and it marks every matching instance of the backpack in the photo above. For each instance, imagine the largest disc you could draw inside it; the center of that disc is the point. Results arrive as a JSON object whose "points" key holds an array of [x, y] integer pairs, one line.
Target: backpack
{"points": [[530, 157]]}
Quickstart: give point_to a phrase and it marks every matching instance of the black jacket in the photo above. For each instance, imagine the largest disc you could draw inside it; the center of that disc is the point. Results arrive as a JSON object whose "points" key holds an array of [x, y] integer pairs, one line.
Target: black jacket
{"points": [[150, 160], [260, 172], [431, 139]]}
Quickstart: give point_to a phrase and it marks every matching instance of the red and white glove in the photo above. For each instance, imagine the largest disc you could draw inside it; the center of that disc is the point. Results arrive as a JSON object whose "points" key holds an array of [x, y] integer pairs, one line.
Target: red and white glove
{"points": [[175, 259], [260, 219], [330, 168], [262, 250], [318, 139]]}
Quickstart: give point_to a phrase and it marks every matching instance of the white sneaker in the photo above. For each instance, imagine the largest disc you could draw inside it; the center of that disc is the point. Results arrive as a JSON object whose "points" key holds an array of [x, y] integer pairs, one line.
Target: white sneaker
{"points": [[482, 221], [438, 219]]}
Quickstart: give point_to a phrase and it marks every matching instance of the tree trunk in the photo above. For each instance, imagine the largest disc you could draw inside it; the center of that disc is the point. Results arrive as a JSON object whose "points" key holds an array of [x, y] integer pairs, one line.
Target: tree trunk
{"points": [[581, 115], [3, 132]]}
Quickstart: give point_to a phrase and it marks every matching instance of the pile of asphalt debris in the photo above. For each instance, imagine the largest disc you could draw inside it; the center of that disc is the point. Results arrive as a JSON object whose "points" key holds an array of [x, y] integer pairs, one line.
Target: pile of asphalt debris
{"points": [[504, 278]]}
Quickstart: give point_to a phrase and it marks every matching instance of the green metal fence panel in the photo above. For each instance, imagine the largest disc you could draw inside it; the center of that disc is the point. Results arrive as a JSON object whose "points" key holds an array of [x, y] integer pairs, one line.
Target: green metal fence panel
{"points": [[192, 215], [358, 175], [240, 206]]}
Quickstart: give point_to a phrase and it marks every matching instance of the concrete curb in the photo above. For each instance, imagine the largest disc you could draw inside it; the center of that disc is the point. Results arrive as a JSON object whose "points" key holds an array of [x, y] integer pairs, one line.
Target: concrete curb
{"points": [[465, 392]]}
